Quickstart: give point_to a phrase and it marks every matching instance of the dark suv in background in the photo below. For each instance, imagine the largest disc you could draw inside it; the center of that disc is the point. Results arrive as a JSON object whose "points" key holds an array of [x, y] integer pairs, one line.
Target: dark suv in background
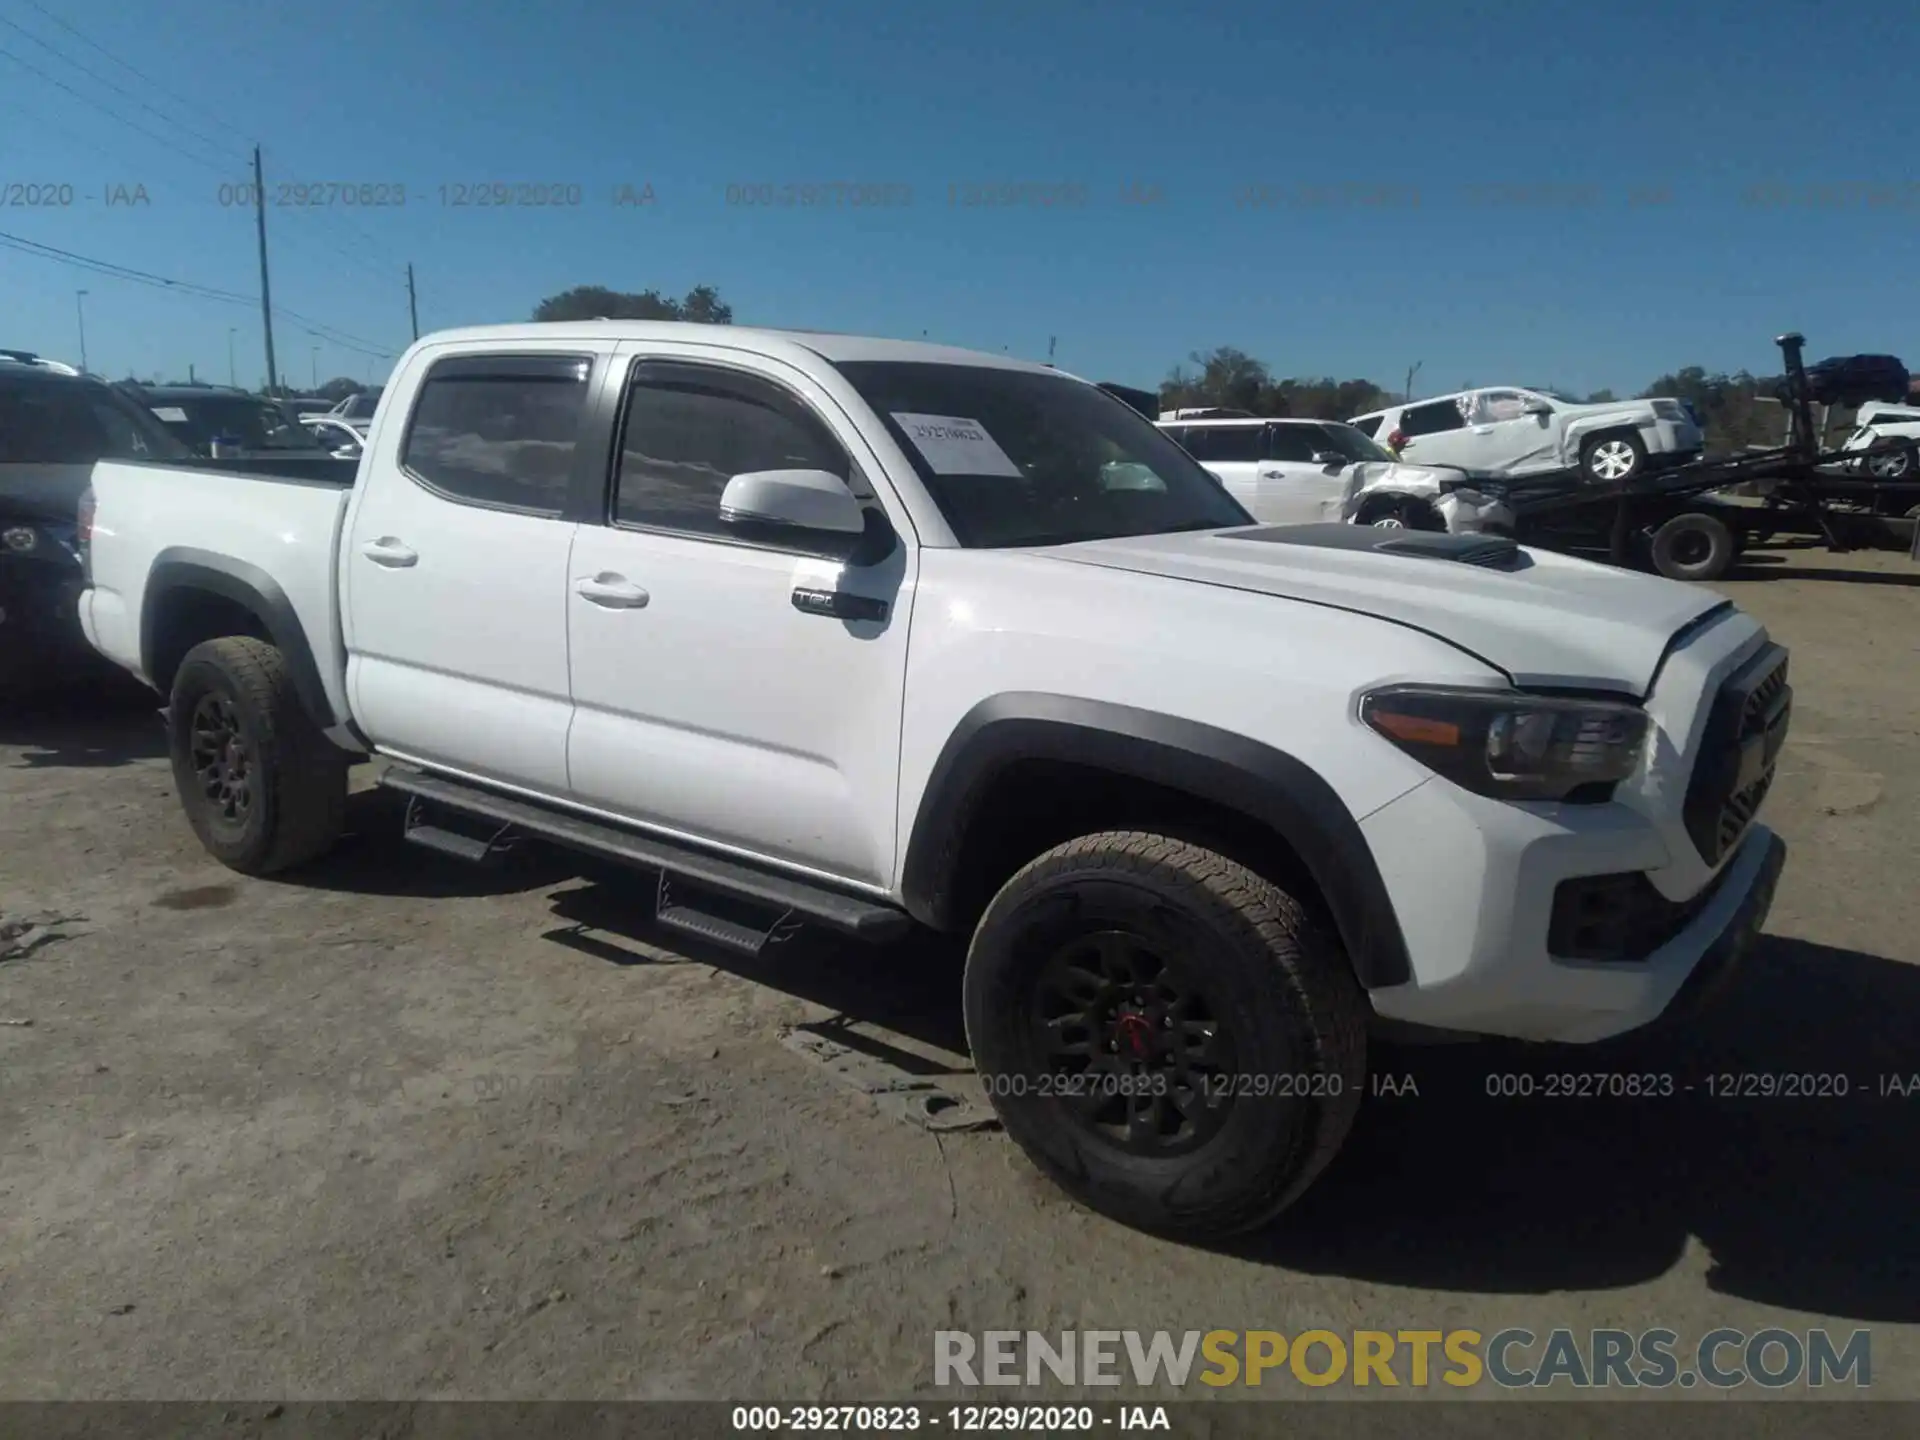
{"points": [[248, 426], [54, 423]]}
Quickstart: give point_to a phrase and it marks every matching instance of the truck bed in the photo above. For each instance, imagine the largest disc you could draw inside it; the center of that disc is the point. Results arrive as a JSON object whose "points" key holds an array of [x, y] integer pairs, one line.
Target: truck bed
{"points": [[273, 525]]}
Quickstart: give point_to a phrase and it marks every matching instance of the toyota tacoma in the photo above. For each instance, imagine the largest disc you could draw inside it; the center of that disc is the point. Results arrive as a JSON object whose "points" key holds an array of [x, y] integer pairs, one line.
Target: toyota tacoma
{"points": [[876, 636]]}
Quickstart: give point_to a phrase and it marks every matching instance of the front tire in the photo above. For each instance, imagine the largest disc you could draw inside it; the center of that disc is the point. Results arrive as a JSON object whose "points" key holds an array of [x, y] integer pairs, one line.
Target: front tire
{"points": [[1166, 1034], [1613, 459], [262, 787]]}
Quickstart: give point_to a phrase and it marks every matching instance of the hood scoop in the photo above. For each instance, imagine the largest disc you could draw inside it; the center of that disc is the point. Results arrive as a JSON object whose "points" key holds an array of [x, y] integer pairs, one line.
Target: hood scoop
{"points": [[1489, 552]]}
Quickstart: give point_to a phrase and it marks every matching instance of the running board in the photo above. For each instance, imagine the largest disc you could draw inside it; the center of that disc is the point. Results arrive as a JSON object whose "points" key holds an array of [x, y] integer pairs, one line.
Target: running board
{"points": [[853, 915], [746, 926]]}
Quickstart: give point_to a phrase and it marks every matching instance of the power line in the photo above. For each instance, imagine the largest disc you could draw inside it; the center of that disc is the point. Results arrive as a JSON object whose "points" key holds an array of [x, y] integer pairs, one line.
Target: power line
{"points": [[121, 272], [366, 262], [173, 145], [102, 50], [111, 85], [344, 339]]}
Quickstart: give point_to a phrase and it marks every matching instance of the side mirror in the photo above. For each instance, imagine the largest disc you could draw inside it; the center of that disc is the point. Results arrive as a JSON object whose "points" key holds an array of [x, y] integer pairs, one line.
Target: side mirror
{"points": [[1328, 457], [1536, 407], [798, 500]]}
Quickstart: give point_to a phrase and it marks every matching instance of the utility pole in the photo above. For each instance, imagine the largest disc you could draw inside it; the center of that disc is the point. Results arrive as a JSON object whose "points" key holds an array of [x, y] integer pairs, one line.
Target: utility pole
{"points": [[1050, 341], [80, 309], [231, 372], [192, 379], [413, 304], [266, 294], [1414, 370]]}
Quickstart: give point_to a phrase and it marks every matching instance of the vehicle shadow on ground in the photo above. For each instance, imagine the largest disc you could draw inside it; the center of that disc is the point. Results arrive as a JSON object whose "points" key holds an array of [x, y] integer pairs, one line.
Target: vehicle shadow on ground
{"points": [[91, 728], [1804, 1203], [911, 988], [1767, 568], [374, 857]]}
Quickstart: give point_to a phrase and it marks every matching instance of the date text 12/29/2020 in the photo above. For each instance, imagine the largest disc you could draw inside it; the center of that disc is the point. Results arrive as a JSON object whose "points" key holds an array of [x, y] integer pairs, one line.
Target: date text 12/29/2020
{"points": [[1722, 1085], [1234, 1085], [962, 1419]]}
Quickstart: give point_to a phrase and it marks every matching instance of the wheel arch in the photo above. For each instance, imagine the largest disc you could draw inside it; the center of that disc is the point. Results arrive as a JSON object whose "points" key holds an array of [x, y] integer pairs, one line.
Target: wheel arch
{"points": [[1220, 770], [187, 588]]}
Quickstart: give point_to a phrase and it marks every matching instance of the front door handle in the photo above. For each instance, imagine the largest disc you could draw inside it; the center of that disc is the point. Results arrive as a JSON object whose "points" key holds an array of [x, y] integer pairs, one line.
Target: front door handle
{"points": [[390, 552], [838, 605], [615, 592]]}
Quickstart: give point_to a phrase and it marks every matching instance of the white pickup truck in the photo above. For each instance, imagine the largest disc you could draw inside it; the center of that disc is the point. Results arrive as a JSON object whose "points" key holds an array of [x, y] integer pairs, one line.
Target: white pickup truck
{"points": [[877, 635]]}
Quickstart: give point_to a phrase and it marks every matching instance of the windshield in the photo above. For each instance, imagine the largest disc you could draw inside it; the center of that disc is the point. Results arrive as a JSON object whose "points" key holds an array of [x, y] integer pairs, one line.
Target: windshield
{"points": [[1560, 395], [1352, 444], [255, 424], [57, 423], [1013, 457]]}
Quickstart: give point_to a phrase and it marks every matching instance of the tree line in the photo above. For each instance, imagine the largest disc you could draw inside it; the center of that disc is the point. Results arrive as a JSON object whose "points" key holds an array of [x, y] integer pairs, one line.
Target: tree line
{"points": [[1736, 407]]}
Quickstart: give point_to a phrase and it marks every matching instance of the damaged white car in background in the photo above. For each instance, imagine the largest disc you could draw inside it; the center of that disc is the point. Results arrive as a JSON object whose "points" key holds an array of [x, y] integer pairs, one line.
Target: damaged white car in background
{"points": [[1303, 472]]}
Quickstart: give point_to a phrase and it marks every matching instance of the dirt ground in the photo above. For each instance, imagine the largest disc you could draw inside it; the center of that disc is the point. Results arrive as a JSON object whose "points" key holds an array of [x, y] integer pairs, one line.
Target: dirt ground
{"points": [[397, 1129]]}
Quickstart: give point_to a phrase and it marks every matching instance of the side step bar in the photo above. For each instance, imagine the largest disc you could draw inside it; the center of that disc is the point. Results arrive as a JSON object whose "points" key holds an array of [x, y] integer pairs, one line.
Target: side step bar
{"points": [[853, 915]]}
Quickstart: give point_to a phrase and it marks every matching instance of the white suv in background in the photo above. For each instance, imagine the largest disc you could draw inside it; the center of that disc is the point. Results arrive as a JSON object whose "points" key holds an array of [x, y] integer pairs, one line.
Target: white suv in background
{"points": [[1885, 427], [1510, 431], [1289, 471]]}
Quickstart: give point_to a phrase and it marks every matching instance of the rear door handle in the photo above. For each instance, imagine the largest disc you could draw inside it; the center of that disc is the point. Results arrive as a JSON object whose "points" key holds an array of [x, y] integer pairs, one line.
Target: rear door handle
{"points": [[614, 592], [389, 552]]}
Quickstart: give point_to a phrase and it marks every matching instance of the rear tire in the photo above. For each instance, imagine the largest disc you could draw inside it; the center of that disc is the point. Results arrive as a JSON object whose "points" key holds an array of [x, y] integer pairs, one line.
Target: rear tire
{"points": [[262, 787], [1694, 547], [1166, 1034], [1613, 459]]}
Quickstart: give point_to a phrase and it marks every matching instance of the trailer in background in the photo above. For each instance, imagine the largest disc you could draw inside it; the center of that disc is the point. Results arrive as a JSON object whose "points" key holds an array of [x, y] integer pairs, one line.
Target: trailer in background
{"points": [[1694, 523]]}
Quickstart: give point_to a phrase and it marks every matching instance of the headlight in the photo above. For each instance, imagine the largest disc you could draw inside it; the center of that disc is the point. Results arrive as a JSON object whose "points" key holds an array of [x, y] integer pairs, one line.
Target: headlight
{"points": [[1513, 746], [19, 539]]}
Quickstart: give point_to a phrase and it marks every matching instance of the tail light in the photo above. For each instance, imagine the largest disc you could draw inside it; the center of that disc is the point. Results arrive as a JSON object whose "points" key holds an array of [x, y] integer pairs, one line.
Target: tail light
{"points": [[83, 533]]}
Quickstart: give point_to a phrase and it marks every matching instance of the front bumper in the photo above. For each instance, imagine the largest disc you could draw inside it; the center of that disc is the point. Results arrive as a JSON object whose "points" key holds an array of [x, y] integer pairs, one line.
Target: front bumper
{"points": [[1481, 876], [41, 642]]}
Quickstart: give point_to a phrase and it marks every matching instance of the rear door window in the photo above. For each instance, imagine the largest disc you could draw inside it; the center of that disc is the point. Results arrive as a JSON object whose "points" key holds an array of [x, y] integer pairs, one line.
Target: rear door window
{"points": [[1224, 444], [499, 430], [1432, 418]]}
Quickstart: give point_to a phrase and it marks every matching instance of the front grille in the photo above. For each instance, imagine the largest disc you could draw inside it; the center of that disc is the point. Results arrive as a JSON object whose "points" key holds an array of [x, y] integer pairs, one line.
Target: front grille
{"points": [[1618, 918], [1738, 751]]}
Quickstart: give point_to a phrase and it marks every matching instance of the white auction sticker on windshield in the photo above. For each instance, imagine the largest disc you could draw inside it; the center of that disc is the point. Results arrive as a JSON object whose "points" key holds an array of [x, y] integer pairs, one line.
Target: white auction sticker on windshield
{"points": [[956, 446], [173, 414]]}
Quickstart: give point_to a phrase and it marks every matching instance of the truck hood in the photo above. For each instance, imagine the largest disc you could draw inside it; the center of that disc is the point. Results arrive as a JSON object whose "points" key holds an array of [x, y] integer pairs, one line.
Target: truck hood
{"points": [[1543, 619]]}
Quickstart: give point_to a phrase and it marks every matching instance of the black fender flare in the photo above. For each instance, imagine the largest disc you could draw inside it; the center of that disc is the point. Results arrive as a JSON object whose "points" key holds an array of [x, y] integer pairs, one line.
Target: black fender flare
{"points": [[182, 567], [1211, 764]]}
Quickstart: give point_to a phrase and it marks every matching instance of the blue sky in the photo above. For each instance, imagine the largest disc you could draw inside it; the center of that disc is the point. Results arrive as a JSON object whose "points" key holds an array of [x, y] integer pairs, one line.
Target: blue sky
{"points": [[1500, 192]]}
